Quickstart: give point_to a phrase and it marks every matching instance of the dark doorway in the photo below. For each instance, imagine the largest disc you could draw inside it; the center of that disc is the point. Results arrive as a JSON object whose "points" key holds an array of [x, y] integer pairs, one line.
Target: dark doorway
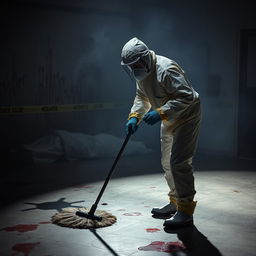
{"points": [[247, 95]]}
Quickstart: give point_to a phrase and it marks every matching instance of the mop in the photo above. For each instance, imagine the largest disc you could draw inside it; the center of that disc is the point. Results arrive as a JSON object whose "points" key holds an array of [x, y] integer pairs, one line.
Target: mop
{"points": [[89, 218]]}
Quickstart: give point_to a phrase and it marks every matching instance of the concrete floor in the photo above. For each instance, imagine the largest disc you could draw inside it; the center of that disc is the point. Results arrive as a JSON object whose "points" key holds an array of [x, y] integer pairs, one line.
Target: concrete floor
{"points": [[225, 221]]}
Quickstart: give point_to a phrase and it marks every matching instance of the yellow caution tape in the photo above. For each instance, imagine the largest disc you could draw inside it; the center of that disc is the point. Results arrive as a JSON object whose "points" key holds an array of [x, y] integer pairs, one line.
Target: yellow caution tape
{"points": [[33, 109]]}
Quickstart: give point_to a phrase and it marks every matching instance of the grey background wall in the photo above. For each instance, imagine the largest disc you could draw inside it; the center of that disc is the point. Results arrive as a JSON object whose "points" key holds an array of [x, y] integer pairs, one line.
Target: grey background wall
{"points": [[68, 52]]}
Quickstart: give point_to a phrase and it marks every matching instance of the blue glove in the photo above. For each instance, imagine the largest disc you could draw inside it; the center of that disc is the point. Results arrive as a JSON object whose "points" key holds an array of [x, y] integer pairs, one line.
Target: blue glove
{"points": [[152, 117], [131, 125]]}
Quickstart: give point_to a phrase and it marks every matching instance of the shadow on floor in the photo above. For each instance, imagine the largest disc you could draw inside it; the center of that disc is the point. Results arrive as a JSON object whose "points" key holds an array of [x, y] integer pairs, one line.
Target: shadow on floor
{"points": [[56, 205], [195, 242], [111, 250]]}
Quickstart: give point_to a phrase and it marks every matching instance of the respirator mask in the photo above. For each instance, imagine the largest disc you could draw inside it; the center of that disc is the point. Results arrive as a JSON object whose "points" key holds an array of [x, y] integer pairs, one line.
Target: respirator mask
{"points": [[136, 59]]}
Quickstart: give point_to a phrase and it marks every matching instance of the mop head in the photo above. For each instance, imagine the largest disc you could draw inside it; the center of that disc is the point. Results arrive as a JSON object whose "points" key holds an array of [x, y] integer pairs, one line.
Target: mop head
{"points": [[68, 218]]}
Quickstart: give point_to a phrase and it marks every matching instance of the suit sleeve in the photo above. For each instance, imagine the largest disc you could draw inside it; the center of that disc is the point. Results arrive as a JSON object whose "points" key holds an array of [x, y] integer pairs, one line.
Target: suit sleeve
{"points": [[141, 105], [180, 92]]}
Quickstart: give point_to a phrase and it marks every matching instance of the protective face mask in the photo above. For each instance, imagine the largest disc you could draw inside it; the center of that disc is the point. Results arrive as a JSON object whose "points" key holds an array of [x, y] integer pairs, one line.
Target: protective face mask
{"points": [[139, 73]]}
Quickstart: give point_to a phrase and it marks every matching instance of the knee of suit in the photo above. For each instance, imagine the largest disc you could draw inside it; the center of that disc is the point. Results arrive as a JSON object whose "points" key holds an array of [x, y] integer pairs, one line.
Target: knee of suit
{"points": [[182, 167], [165, 163], [167, 173], [165, 160], [167, 170], [180, 162]]}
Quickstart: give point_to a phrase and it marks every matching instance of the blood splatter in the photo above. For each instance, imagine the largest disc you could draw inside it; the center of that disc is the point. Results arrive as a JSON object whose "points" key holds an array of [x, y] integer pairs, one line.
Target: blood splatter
{"points": [[24, 248], [21, 228], [151, 230], [132, 214], [163, 246], [45, 222]]}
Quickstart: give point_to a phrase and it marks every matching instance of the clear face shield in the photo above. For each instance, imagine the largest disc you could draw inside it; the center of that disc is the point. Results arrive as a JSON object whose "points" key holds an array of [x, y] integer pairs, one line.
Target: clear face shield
{"points": [[139, 68]]}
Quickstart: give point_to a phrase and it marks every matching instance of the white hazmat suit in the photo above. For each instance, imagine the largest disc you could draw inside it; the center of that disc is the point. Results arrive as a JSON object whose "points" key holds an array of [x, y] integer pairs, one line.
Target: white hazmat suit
{"points": [[165, 88]]}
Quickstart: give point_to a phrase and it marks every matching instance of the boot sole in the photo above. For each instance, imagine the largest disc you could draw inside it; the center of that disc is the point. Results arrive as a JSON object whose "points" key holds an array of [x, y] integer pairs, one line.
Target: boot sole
{"points": [[179, 225], [163, 217], [163, 214]]}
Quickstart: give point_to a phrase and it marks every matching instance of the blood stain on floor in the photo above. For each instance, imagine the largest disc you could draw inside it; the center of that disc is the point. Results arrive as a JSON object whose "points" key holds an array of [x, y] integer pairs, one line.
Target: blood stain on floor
{"points": [[24, 248], [21, 228], [151, 230], [163, 246], [132, 214]]}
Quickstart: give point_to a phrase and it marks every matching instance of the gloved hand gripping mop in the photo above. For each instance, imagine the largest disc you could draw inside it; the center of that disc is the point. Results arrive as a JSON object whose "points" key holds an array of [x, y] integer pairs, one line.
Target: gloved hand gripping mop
{"points": [[81, 218]]}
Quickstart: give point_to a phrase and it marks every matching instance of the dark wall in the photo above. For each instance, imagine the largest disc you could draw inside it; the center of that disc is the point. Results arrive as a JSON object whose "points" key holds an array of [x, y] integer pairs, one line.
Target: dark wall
{"points": [[69, 53]]}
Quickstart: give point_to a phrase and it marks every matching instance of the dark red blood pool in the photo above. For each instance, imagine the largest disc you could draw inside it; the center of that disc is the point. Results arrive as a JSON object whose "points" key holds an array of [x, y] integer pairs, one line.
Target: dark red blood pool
{"points": [[24, 248], [21, 228], [163, 247]]}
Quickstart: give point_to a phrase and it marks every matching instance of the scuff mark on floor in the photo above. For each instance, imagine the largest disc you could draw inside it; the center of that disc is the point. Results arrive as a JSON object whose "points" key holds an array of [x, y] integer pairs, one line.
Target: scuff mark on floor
{"points": [[132, 214], [45, 222], [82, 187]]}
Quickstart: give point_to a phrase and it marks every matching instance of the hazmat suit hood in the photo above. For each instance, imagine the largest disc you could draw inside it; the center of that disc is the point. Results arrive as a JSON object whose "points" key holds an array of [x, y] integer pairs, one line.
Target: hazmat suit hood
{"points": [[136, 59]]}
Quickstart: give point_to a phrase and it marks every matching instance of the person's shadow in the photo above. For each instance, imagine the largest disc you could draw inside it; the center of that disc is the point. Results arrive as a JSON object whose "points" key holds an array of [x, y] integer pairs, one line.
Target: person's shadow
{"points": [[55, 205], [195, 242]]}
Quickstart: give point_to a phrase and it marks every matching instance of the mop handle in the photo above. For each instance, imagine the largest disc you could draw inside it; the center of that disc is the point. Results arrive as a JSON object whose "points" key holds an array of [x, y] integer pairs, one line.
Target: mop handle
{"points": [[94, 206]]}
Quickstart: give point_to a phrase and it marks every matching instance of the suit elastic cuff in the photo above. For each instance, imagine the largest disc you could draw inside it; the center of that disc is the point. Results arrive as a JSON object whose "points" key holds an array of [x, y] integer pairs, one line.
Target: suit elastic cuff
{"points": [[163, 116], [134, 114]]}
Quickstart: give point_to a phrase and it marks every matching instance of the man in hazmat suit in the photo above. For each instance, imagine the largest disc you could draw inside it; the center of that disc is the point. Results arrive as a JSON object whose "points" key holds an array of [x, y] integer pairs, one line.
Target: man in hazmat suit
{"points": [[163, 88]]}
